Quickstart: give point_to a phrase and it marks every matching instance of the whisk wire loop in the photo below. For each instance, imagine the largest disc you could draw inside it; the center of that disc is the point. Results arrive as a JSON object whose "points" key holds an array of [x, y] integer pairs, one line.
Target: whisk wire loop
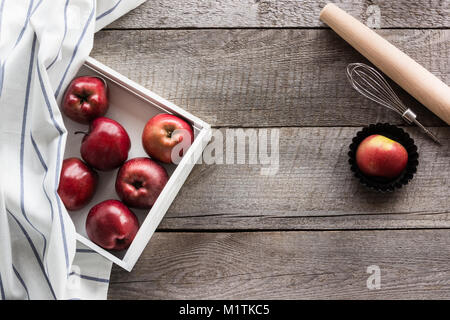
{"points": [[368, 82], [372, 85]]}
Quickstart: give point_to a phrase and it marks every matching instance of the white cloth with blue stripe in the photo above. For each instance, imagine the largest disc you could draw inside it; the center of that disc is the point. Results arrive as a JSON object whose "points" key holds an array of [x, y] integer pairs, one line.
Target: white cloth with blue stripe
{"points": [[42, 45]]}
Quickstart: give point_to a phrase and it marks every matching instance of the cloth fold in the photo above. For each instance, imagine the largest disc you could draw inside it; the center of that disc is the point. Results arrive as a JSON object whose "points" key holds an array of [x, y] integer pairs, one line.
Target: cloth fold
{"points": [[42, 45]]}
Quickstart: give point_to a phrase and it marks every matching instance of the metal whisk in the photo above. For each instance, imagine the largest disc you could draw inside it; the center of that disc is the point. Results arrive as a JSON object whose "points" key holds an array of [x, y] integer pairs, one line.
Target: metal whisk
{"points": [[371, 84]]}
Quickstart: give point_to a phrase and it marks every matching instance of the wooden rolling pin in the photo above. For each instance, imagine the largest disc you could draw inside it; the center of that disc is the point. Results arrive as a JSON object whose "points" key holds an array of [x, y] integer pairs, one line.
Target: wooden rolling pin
{"points": [[411, 76]]}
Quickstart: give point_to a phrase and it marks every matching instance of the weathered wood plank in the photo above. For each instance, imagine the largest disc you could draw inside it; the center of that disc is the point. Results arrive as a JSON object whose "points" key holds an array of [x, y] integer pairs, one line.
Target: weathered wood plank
{"points": [[263, 78], [313, 189], [289, 265], [281, 13]]}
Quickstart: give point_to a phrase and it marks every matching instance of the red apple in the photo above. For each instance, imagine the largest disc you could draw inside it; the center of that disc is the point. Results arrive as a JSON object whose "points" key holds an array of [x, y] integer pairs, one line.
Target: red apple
{"points": [[111, 225], [85, 99], [77, 183], [379, 156], [162, 133], [106, 145], [140, 181]]}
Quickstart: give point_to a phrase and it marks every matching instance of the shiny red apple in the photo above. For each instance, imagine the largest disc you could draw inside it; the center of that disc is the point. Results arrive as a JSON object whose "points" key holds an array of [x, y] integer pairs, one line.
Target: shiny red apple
{"points": [[163, 133], [380, 156], [106, 145], [140, 181], [77, 183], [85, 99], [111, 225]]}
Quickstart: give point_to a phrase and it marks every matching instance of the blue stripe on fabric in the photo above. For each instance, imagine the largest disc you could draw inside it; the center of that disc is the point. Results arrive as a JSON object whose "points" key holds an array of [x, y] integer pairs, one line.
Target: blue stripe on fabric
{"points": [[58, 165], [21, 281], [37, 6], [75, 50], [41, 159], [2, 68], [82, 276], [2, 291], [86, 251], [47, 102], [30, 6], [2, 4], [22, 146], [2, 76], [24, 124], [64, 36], [108, 11], [36, 254]]}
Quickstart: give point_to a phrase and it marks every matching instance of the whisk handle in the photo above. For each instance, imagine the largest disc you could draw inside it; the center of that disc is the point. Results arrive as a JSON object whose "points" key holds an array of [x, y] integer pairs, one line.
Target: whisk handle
{"points": [[428, 132], [410, 117]]}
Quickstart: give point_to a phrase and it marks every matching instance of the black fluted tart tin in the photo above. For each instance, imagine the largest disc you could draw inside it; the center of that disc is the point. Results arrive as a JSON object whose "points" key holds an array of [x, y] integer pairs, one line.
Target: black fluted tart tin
{"points": [[394, 133]]}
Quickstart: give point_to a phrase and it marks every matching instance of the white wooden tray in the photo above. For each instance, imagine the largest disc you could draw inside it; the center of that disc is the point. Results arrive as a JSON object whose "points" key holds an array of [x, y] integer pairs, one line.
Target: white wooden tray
{"points": [[132, 106]]}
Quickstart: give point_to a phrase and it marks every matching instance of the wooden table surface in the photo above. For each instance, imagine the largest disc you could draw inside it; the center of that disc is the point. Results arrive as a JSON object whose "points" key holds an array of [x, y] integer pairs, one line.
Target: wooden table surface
{"points": [[311, 230]]}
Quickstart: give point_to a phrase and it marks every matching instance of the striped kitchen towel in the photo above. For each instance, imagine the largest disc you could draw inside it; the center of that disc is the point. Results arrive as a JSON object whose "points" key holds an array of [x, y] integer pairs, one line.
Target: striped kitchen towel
{"points": [[42, 45]]}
